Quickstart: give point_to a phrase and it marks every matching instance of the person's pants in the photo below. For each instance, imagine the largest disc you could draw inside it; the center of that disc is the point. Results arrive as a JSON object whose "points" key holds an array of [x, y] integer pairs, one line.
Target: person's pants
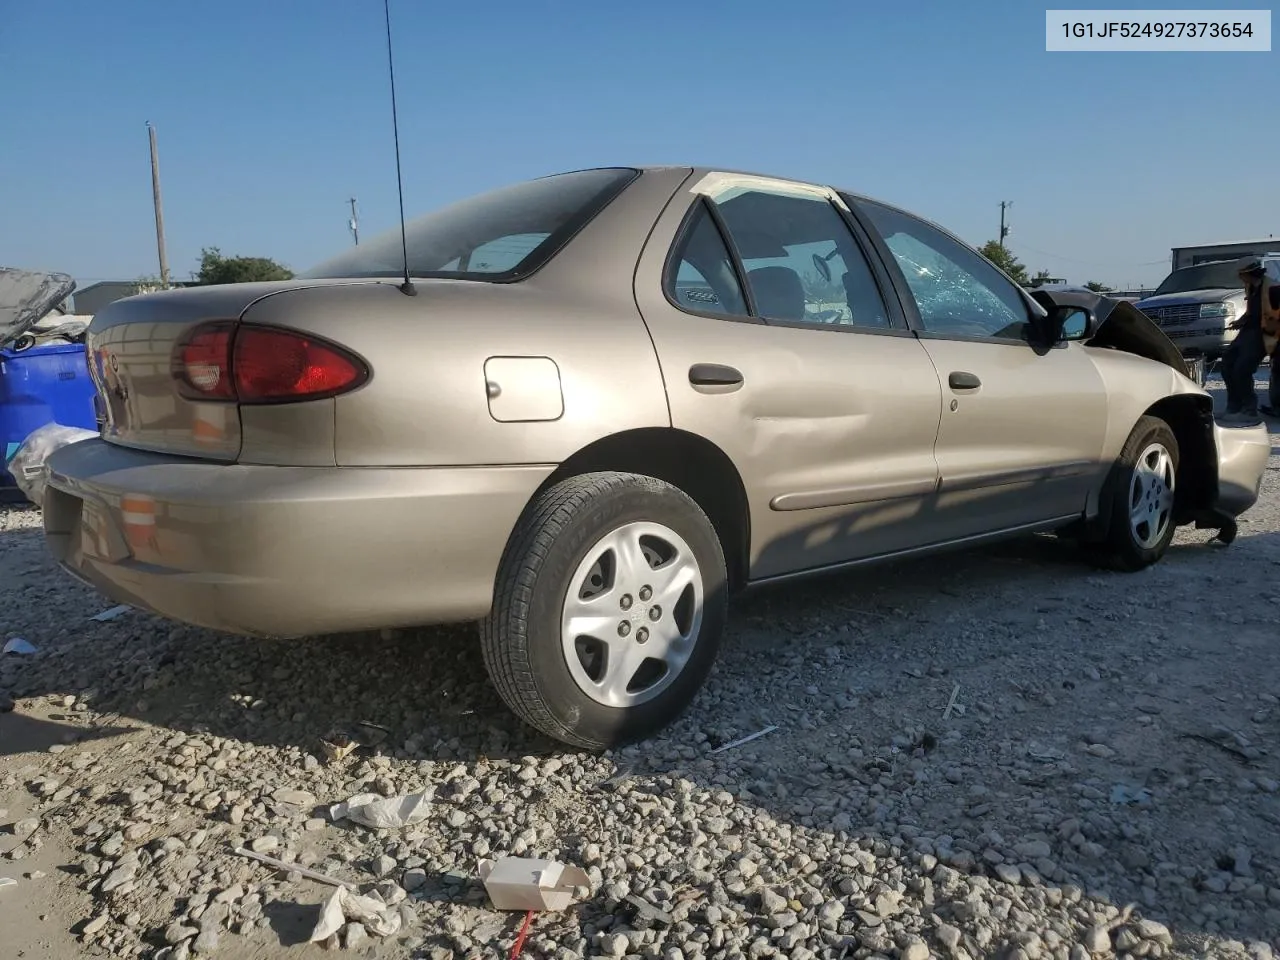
{"points": [[1273, 390], [1239, 365]]}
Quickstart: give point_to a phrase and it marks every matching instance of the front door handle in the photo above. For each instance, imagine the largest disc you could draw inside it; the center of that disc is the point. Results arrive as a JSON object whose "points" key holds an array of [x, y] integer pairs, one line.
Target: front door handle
{"points": [[959, 380], [714, 375]]}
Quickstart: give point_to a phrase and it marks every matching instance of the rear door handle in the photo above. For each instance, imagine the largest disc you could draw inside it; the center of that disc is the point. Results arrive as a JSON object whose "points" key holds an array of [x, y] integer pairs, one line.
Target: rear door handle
{"points": [[714, 375], [959, 380]]}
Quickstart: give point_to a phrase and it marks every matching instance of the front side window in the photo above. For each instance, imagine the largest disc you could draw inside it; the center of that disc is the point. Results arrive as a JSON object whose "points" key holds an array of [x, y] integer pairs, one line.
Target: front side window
{"points": [[957, 292], [800, 261], [504, 234]]}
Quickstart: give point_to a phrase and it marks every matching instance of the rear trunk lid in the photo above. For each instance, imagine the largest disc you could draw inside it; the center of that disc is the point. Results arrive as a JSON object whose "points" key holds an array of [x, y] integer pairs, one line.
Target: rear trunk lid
{"points": [[132, 344], [26, 296]]}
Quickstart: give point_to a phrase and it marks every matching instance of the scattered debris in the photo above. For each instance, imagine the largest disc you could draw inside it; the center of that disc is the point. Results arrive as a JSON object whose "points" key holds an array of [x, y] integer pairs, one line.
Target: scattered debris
{"points": [[647, 913], [288, 867], [515, 883], [611, 783], [1122, 793], [1228, 742], [951, 704], [112, 614], [383, 813], [18, 645], [338, 746], [518, 947], [747, 739], [1045, 754], [377, 917]]}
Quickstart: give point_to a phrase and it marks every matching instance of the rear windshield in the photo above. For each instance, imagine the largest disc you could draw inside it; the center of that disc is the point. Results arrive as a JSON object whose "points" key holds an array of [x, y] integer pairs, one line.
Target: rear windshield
{"points": [[1222, 275], [501, 235]]}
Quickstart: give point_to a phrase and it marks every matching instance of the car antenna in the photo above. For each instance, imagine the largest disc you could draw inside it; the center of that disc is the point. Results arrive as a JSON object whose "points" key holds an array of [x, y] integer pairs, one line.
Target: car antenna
{"points": [[407, 288]]}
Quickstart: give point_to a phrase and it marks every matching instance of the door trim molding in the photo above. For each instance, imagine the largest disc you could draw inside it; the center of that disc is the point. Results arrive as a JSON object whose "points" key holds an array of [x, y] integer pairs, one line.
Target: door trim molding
{"points": [[850, 496]]}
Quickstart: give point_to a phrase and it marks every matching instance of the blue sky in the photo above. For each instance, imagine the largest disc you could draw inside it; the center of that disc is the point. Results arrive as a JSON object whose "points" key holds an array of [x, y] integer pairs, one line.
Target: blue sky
{"points": [[271, 113]]}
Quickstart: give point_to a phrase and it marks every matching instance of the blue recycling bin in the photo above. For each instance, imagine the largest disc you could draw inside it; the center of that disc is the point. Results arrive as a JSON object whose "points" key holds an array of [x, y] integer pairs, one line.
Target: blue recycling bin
{"points": [[38, 386]]}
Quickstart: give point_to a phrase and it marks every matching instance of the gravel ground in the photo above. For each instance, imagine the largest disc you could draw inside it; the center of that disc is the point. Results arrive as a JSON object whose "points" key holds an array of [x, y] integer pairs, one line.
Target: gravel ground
{"points": [[1105, 781]]}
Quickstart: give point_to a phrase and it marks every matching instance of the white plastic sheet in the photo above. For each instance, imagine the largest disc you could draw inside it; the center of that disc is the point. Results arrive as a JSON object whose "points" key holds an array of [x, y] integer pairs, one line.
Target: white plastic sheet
{"points": [[383, 813], [29, 464]]}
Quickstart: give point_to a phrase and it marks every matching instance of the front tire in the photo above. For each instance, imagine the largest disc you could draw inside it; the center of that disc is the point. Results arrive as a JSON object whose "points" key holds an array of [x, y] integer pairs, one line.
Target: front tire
{"points": [[608, 609], [1140, 492]]}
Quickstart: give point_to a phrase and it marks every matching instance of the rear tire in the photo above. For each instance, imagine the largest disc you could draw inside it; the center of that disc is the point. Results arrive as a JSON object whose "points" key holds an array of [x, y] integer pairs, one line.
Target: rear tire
{"points": [[1140, 492], [608, 609]]}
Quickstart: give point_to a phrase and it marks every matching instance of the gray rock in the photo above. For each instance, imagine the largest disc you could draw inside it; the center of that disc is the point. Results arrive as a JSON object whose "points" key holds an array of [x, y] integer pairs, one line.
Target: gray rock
{"points": [[118, 878], [414, 879], [96, 925], [948, 935], [772, 902], [206, 942], [1097, 940], [354, 935], [1153, 930], [1008, 873], [175, 933], [268, 844]]}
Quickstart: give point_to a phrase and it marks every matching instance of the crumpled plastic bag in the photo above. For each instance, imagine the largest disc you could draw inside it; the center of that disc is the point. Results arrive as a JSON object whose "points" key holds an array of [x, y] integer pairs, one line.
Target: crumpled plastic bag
{"points": [[345, 905], [383, 813], [28, 465]]}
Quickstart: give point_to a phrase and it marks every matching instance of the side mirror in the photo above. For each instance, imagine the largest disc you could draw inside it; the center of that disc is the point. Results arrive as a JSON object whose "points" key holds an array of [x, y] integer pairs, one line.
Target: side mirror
{"points": [[1074, 323]]}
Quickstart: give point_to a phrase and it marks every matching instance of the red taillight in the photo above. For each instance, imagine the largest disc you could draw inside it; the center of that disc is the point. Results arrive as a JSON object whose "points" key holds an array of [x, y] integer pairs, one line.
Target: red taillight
{"points": [[249, 364]]}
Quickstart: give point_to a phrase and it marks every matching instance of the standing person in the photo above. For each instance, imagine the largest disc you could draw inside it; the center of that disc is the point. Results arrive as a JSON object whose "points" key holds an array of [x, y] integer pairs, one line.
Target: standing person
{"points": [[1246, 352], [1271, 338]]}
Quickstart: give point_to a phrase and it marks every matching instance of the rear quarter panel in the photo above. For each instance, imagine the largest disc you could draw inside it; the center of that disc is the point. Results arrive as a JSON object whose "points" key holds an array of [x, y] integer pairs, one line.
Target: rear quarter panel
{"points": [[429, 401]]}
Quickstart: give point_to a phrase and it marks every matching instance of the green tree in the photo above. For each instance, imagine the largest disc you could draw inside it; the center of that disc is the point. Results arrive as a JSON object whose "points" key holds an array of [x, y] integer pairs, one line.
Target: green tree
{"points": [[1006, 261], [1040, 279], [1097, 287], [215, 268]]}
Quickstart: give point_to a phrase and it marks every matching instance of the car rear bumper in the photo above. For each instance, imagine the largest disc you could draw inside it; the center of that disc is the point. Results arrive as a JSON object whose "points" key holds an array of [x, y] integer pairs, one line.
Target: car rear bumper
{"points": [[1242, 462], [283, 551]]}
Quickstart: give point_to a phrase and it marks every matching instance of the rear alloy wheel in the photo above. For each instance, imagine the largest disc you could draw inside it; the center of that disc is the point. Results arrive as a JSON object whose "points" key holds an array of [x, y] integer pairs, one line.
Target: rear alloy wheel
{"points": [[1141, 492], [608, 611]]}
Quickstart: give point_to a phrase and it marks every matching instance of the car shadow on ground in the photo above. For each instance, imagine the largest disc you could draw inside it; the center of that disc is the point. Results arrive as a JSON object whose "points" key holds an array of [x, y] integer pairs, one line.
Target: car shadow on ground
{"points": [[854, 669]]}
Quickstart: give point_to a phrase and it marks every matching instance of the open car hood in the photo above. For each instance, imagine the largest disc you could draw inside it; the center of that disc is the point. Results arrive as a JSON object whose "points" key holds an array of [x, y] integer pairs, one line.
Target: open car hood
{"points": [[1120, 325], [26, 296]]}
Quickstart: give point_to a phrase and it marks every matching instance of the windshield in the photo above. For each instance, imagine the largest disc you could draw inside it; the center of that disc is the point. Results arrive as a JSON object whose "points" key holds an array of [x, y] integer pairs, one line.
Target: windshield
{"points": [[1222, 275], [501, 235]]}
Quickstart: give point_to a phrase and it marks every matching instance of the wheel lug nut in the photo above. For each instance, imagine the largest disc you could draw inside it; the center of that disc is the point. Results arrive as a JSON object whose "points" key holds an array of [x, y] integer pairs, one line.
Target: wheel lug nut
{"points": [[642, 634], [655, 612], [625, 602], [624, 628], [645, 593]]}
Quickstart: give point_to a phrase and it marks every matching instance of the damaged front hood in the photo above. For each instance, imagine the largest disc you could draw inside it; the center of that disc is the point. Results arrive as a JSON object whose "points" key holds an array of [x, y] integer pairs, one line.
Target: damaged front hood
{"points": [[1122, 326], [1118, 325], [26, 296]]}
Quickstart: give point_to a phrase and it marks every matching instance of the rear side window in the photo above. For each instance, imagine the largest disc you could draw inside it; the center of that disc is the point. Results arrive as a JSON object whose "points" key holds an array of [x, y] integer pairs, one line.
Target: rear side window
{"points": [[502, 235], [704, 280]]}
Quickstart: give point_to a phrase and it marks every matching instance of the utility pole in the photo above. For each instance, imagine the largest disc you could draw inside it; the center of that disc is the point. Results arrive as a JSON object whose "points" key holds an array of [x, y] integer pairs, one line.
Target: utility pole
{"points": [[155, 198], [1004, 231], [354, 222]]}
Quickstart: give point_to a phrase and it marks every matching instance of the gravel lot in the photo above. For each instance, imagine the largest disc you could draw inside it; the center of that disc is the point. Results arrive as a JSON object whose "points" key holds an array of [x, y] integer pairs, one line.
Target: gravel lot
{"points": [[1105, 782]]}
